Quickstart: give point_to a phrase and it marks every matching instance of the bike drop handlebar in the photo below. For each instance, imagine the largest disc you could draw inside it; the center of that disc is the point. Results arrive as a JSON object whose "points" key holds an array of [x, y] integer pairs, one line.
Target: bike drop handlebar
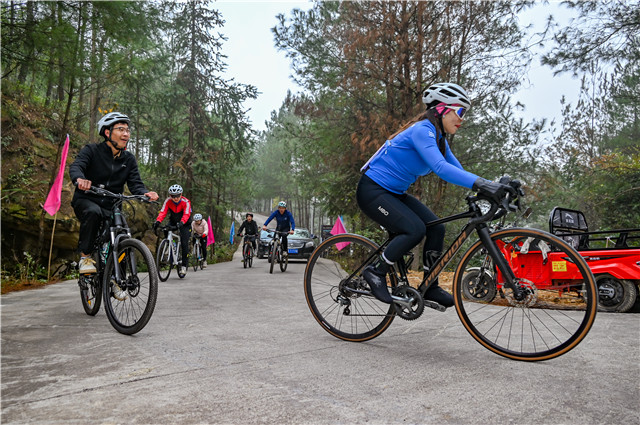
{"points": [[499, 210]]}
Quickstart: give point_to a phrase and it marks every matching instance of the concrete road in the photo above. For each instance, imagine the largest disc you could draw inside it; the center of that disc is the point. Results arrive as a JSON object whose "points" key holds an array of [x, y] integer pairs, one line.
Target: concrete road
{"points": [[229, 345]]}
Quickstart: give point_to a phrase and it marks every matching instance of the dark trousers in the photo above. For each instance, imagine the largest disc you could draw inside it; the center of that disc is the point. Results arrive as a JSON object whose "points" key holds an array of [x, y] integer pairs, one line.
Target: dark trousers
{"points": [[403, 215], [91, 216], [283, 238]]}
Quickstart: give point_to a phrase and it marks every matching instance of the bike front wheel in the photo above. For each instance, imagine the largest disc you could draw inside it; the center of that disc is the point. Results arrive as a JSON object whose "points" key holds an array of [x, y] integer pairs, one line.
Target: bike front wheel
{"points": [[245, 256], [250, 253], [130, 301], [164, 260], [273, 257], [334, 289], [284, 261], [195, 256], [559, 303]]}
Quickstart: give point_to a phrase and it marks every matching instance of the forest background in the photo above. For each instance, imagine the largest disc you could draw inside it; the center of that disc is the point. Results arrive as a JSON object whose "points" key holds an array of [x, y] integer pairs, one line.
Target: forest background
{"points": [[362, 67]]}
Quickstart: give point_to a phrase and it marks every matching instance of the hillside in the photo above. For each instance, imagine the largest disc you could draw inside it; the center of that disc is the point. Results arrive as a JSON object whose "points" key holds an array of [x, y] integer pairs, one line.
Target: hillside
{"points": [[30, 143]]}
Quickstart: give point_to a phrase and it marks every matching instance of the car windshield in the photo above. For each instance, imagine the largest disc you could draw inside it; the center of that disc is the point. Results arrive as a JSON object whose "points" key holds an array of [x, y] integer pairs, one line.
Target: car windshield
{"points": [[301, 234], [266, 234]]}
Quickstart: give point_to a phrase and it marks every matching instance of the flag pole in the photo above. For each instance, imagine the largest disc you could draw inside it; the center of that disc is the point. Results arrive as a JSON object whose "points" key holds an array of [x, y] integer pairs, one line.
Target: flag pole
{"points": [[53, 230]]}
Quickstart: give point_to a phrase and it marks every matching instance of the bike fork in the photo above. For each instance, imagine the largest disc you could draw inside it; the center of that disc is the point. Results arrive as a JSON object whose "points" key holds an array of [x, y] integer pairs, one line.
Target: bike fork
{"points": [[500, 262]]}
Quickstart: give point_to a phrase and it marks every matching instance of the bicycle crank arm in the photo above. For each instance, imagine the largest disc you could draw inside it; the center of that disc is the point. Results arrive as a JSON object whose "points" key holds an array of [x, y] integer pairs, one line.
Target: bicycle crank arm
{"points": [[434, 305], [404, 302]]}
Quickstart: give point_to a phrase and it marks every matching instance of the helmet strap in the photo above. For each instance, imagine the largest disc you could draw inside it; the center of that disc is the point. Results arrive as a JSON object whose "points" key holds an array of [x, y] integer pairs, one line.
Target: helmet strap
{"points": [[115, 146]]}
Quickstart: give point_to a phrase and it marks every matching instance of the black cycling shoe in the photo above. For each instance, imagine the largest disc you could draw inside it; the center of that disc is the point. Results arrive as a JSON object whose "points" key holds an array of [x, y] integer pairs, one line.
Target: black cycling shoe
{"points": [[378, 283], [439, 295]]}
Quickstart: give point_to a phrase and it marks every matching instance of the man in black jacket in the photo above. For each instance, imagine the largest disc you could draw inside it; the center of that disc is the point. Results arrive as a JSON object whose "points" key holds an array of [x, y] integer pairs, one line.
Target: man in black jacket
{"points": [[109, 164], [250, 228]]}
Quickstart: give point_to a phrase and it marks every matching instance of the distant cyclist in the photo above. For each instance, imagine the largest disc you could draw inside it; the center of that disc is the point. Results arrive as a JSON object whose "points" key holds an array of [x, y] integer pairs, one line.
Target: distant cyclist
{"points": [[285, 223], [109, 164], [199, 232], [417, 149], [250, 228], [179, 209]]}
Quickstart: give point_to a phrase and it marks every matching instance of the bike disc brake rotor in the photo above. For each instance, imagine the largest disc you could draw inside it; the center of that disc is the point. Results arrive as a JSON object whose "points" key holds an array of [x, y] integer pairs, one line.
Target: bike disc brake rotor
{"points": [[531, 294], [415, 301]]}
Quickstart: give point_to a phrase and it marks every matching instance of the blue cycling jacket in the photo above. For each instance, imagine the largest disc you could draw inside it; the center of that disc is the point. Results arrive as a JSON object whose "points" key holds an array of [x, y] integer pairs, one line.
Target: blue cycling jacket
{"points": [[285, 221], [414, 153]]}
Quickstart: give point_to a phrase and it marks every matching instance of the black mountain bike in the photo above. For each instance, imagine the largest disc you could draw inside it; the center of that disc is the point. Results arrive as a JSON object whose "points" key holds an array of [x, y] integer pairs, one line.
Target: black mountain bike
{"points": [[126, 277], [247, 250], [275, 252], [510, 306]]}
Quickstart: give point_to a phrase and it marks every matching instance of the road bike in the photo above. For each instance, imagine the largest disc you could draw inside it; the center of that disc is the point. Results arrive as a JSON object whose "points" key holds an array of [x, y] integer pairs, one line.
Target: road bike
{"points": [[247, 250], [169, 254], [126, 277], [510, 306], [275, 252], [197, 258]]}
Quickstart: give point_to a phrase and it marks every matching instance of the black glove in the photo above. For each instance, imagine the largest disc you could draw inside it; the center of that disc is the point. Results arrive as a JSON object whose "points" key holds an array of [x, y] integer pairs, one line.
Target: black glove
{"points": [[180, 224], [156, 225], [494, 191]]}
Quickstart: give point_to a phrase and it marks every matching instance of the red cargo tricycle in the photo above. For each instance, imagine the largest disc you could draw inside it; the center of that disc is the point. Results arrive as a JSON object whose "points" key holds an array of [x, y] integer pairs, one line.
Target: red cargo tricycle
{"points": [[613, 257]]}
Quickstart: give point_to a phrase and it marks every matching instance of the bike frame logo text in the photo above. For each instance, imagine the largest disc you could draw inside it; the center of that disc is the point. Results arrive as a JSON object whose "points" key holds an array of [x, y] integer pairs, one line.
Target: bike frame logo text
{"points": [[382, 210]]}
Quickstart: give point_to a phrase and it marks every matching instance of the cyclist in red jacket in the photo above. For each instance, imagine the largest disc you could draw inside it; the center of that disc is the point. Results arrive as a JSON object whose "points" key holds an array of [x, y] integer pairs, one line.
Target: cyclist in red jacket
{"points": [[179, 209]]}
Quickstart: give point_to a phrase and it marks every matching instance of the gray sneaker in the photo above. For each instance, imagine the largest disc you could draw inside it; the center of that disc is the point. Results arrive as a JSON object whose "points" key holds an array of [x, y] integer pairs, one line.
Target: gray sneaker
{"points": [[183, 270], [87, 266]]}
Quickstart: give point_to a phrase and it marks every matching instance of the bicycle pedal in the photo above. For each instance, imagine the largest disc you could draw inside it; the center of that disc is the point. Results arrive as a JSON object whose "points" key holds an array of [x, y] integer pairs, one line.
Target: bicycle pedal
{"points": [[434, 305]]}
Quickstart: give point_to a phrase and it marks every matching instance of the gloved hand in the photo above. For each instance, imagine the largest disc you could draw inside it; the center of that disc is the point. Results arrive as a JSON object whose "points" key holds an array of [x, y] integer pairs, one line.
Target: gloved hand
{"points": [[495, 191], [156, 225], [180, 224]]}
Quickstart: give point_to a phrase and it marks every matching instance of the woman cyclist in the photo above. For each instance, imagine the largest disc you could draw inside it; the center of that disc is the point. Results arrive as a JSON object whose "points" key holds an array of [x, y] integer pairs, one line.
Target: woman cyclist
{"points": [[199, 232], [417, 149], [179, 209]]}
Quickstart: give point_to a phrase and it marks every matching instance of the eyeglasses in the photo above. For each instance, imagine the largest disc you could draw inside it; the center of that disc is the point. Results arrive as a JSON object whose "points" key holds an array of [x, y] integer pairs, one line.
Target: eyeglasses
{"points": [[123, 129], [176, 195], [459, 110]]}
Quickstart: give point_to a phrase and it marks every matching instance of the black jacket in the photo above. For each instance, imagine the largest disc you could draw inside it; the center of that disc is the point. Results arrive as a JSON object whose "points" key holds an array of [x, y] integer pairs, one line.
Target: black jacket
{"points": [[251, 228], [95, 162]]}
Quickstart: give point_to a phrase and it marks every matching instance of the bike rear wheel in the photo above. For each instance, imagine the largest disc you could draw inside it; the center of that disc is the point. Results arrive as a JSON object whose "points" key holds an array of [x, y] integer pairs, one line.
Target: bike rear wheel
{"points": [[129, 303], [91, 293], [560, 303], [331, 295], [164, 261]]}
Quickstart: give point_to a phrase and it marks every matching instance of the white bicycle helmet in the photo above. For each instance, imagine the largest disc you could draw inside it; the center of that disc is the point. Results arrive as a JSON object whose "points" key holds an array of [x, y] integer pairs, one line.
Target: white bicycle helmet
{"points": [[197, 217], [176, 189], [282, 204], [110, 119], [448, 93]]}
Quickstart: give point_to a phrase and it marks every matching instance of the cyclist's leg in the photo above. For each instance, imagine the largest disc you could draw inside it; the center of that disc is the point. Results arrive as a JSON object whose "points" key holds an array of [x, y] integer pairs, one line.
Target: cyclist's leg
{"points": [[391, 211], [90, 216], [185, 235], [203, 249], [432, 249]]}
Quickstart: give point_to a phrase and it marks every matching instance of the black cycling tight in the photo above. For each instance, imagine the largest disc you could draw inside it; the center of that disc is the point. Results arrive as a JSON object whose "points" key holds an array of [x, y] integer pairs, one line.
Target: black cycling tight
{"points": [[403, 215]]}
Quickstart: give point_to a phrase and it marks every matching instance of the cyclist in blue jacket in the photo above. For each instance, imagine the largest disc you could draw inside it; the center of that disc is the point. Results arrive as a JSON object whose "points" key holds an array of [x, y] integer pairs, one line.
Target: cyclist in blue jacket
{"points": [[417, 149], [285, 223]]}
